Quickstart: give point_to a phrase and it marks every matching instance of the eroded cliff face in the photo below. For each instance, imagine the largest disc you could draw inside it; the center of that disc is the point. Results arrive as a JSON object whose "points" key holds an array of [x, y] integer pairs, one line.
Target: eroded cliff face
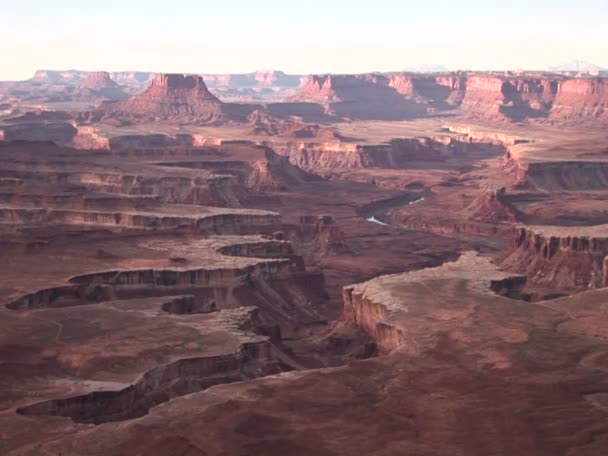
{"points": [[397, 154], [565, 258], [485, 97], [579, 99], [446, 89], [339, 88], [369, 315], [494, 98], [122, 284], [161, 384], [382, 307], [558, 175], [89, 138], [361, 96]]}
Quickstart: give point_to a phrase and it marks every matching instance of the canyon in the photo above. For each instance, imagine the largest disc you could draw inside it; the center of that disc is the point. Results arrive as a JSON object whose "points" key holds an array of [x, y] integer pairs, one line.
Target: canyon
{"points": [[263, 263]]}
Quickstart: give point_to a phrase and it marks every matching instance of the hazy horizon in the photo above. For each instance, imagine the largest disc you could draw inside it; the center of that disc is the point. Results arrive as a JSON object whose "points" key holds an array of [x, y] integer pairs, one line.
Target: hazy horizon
{"points": [[188, 37]]}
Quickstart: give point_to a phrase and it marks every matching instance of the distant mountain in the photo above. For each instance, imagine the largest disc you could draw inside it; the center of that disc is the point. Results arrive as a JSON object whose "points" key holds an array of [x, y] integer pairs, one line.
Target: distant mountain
{"points": [[579, 66], [427, 68]]}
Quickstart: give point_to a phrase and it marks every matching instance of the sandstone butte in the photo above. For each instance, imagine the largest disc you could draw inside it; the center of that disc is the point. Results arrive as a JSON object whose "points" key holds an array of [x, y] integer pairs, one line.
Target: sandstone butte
{"points": [[99, 80], [170, 96]]}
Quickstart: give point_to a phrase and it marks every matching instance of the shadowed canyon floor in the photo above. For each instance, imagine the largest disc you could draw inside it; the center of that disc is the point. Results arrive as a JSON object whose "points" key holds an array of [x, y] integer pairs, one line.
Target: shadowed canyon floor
{"points": [[184, 274]]}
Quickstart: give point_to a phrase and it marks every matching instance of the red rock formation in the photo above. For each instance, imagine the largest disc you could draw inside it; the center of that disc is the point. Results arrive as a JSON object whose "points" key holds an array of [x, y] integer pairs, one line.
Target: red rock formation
{"points": [[456, 84], [565, 258], [343, 88], [491, 206], [98, 80], [170, 96], [265, 124], [580, 99], [559, 175], [483, 98], [497, 99], [363, 96], [430, 88]]}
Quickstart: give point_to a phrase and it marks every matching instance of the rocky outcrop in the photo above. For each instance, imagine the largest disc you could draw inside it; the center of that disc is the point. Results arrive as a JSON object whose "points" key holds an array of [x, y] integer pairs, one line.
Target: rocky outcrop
{"points": [[565, 258], [447, 89], [276, 173], [170, 97], [498, 99], [580, 99], [558, 175], [380, 306], [492, 206], [397, 154], [99, 80], [494, 97], [89, 138], [364, 96]]}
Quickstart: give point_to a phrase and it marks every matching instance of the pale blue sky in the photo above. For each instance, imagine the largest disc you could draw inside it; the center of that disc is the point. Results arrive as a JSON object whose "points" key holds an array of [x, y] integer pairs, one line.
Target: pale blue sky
{"points": [[306, 36]]}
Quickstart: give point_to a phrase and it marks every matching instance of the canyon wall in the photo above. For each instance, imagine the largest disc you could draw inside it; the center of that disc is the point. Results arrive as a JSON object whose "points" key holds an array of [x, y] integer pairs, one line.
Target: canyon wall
{"points": [[565, 258], [558, 175], [398, 153], [578, 99], [388, 309], [486, 97]]}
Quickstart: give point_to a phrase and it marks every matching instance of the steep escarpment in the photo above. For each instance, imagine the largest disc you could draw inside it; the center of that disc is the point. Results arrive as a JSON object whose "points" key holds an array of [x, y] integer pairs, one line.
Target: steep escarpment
{"points": [[237, 272], [441, 91], [580, 99], [562, 257], [486, 97], [398, 153], [365, 96], [558, 175], [515, 99], [162, 384], [382, 306]]}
